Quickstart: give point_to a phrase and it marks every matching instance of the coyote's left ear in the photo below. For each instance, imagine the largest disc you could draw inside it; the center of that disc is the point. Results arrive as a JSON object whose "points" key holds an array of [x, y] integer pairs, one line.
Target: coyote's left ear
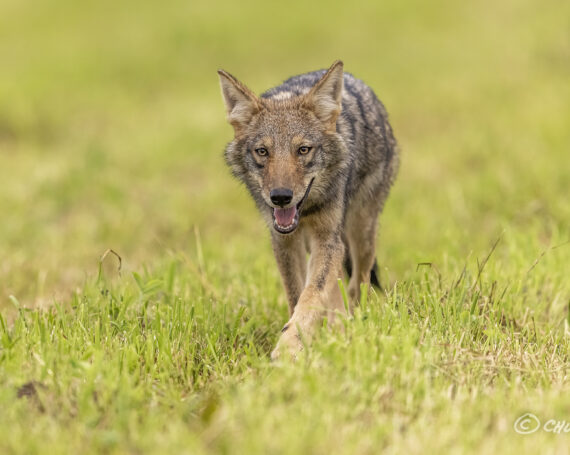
{"points": [[325, 98], [241, 102]]}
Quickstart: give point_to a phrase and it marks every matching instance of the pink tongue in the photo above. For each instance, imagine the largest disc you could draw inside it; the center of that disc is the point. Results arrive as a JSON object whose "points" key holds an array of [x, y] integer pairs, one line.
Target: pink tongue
{"points": [[285, 217]]}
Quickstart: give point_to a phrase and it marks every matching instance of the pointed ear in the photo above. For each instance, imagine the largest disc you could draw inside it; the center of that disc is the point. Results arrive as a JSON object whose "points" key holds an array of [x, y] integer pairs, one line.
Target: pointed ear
{"points": [[325, 98], [241, 102]]}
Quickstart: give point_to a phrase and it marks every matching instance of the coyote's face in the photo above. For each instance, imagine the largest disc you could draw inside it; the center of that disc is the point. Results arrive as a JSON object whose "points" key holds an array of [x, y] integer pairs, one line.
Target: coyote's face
{"points": [[282, 152], [283, 144]]}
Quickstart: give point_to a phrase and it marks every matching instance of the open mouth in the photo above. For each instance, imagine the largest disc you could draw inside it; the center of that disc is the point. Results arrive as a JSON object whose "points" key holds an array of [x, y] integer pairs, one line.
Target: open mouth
{"points": [[286, 220]]}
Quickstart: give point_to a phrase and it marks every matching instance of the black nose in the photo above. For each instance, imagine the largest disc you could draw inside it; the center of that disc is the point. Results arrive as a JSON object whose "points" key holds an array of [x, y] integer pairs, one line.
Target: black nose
{"points": [[281, 196]]}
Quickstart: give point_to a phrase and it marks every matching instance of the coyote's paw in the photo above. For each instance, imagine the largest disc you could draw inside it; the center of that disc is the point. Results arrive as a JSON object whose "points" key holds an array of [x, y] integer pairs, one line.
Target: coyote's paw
{"points": [[289, 344]]}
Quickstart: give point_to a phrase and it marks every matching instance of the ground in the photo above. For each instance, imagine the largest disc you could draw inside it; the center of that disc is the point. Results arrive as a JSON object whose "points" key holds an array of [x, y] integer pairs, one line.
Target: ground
{"points": [[111, 136]]}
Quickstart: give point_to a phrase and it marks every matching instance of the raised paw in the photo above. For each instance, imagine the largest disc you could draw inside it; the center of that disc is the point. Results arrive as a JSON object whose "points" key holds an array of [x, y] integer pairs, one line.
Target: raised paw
{"points": [[289, 344]]}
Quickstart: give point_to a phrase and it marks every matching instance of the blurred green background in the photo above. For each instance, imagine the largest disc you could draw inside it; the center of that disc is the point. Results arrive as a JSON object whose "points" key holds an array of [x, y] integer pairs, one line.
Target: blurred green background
{"points": [[112, 129]]}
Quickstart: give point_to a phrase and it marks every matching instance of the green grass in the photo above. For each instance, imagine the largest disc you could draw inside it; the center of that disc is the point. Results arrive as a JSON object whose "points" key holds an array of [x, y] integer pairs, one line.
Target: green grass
{"points": [[111, 136]]}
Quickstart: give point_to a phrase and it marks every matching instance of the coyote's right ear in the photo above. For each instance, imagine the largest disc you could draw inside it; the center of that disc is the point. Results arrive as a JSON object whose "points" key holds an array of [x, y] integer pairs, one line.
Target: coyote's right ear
{"points": [[241, 102]]}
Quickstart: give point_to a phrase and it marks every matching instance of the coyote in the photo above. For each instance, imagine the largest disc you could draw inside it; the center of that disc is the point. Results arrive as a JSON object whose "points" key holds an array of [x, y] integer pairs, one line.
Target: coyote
{"points": [[319, 157]]}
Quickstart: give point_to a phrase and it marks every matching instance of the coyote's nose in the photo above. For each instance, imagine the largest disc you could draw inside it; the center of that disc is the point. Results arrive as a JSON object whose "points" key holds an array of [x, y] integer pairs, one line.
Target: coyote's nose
{"points": [[281, 196]]}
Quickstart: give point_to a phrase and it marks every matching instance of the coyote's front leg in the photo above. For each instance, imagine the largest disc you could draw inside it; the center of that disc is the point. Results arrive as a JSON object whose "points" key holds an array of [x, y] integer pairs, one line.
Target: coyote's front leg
{"points": [[291, 256], [320, 297]]}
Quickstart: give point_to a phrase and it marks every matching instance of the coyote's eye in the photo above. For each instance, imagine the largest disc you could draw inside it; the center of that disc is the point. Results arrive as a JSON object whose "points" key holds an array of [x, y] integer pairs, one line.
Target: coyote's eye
{"points": [[304, 150], [261, 151]]}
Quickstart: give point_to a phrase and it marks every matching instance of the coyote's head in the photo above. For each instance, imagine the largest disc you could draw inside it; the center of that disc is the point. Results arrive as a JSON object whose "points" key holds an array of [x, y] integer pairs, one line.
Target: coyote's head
{"points": [[286, 148]]}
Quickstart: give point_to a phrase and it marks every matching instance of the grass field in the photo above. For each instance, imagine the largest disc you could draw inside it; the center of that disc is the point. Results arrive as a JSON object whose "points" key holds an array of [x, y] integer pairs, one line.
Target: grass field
{"points": [[111, 136]]}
